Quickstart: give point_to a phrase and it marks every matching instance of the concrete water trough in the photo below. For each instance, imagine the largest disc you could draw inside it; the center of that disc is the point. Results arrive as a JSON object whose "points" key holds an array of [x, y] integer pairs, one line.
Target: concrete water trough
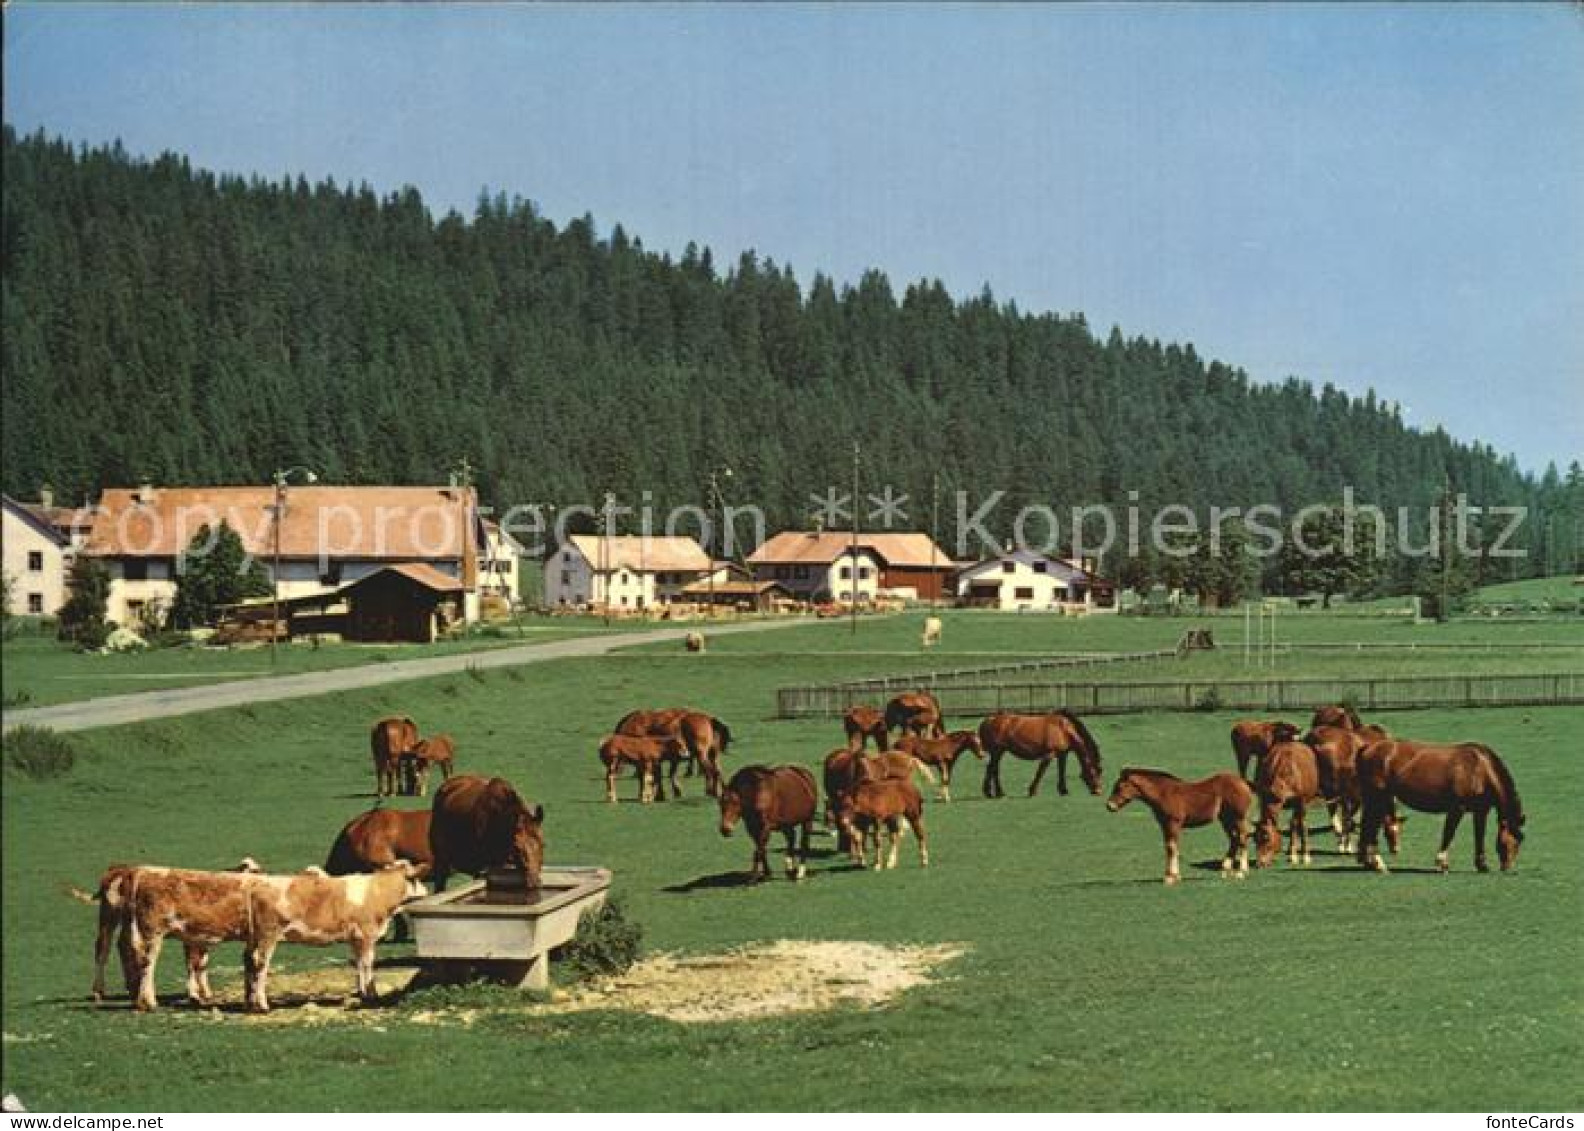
{"points": [[498, 928]]}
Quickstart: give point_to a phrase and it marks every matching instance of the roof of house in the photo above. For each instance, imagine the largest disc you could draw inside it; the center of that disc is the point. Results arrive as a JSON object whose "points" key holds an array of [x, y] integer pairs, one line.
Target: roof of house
{"points": [[31, 514], [732, 588], [642, 554], [367, 523], [911, 550], [421, 572], [1055, 567]]}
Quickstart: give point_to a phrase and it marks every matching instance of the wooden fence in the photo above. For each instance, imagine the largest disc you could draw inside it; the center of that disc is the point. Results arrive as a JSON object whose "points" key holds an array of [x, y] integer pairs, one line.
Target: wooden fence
{"points": [[1235, 694]]}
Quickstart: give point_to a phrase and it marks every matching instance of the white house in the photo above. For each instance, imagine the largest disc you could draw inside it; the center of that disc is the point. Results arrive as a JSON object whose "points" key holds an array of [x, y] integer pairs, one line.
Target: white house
{"points": [[623, 571], [500, 563], [37, 553], [1022, 579], [325, 537], [824, 565]]}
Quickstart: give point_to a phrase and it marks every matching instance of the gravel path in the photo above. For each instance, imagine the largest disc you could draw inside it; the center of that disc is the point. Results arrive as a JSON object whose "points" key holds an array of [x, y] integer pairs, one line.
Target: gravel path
{"points": [[113, 710]]}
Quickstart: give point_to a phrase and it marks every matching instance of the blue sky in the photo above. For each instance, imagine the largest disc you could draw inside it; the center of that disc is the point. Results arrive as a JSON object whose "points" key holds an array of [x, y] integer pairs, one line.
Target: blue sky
{"points": [[1373, 195]]}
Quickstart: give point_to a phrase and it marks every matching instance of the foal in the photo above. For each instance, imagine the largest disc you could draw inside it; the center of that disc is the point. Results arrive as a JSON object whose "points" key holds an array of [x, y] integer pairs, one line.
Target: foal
{"points": [[1179, 804], [942, 753]]}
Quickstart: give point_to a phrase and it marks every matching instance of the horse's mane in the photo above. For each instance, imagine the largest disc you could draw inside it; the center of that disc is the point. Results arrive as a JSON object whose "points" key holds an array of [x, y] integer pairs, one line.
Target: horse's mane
{"points": [[1083, 733], [1511, 806], [1145, 771]]}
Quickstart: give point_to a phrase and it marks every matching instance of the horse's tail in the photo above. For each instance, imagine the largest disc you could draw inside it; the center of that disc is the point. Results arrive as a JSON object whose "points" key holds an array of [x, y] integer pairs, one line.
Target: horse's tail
{"points": [[81, 896], [920, 768], [1092, 747], [723, 732], [1507, 800]]}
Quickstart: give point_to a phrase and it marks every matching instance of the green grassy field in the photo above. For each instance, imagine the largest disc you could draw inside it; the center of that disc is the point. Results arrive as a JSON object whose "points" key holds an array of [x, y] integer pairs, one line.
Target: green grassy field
{"points": [[1084, 983], [38, 670]]}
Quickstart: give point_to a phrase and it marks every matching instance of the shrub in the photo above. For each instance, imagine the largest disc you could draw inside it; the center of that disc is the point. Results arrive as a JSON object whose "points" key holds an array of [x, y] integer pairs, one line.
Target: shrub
{"points": [[1210, 701], [607, 942], [38, 752]]}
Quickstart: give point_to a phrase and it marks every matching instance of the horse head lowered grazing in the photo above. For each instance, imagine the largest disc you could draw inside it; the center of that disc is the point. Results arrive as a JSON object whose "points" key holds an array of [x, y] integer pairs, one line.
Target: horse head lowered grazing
{"points": [[1440, 778], [482, 823], [1041, 738]]}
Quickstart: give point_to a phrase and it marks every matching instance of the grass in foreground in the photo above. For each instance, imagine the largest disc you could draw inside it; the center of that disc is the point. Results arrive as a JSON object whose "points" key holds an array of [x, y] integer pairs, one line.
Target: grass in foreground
{"points": [[1085, 984]]}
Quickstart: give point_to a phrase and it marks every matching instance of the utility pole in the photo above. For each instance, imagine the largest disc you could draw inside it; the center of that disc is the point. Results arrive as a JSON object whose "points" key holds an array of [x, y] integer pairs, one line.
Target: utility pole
{"points": [[605, 553], [853, 552], [278, 512], [934, 538]]}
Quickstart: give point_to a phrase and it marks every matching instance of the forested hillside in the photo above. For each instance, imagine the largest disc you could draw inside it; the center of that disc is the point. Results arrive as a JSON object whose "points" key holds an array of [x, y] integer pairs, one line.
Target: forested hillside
{"points": [[161, 321]]}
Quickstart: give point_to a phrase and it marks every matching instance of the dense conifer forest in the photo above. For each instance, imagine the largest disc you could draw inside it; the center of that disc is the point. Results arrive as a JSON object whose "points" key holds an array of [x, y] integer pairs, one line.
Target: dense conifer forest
{"points": [[165, 322]]}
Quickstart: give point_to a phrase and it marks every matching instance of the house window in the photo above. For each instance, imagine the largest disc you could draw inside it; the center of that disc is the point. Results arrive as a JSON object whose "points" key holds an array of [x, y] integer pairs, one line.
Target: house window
{"points": [[846, 572], [1009, 567], [566, 556], [1023, 593], [35, 603], [35, 561], [799, 572], [332, 574], [1039, 567], [135, 608], [863, 573], [566, 577], [134, 569]]}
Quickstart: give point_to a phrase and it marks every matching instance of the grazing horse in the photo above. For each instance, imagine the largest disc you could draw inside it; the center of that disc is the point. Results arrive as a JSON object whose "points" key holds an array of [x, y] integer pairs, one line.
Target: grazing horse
{"points": [[840, 774], [942, 753], [1336, 751], [878, 802], [915, 712], [482, 823], [388, 741], [646, 756], [706, 737], [437, 750], [1039, 738], [1289, 775], [1440, 778], [1336, 715], [1180, 805], [863, 723], [1252, 740], [767, 798]]}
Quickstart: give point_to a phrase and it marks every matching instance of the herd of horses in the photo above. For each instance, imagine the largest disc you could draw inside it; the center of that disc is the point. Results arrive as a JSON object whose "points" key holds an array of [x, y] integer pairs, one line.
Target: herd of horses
{"points": [[1356, 770]]}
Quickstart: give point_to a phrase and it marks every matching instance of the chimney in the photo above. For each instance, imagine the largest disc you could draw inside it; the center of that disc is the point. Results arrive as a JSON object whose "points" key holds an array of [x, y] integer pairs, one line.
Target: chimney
{"points": [[46, 496], [144, 494]]}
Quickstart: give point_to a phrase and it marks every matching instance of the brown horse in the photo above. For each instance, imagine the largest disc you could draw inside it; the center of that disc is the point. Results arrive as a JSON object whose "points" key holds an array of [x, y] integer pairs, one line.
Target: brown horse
{"points": [[646, 756], [942, 753], [376, 839], [767, 798], [1289, 775], [388, 741], [896, 764], [436, 750], [1440, 778], [915, 712], [1039, 738], [882, 802], [863, 723], [1252, 740], [706, 737], [1336, 715], [840, 774], [1180, 805], [1336, 751], [483, 823]]}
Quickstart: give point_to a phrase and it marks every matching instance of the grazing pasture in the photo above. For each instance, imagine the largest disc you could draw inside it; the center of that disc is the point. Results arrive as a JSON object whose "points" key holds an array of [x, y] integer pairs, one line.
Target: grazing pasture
{"points": [[1082, 981]]}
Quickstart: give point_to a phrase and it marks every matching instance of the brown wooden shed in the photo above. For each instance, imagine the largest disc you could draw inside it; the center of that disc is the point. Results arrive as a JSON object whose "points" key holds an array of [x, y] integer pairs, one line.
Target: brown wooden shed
{"points": [[412, 602]]}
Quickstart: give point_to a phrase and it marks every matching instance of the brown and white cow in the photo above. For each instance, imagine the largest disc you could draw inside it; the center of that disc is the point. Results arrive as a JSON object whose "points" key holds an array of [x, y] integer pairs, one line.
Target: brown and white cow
{"points": [[321, 910]]}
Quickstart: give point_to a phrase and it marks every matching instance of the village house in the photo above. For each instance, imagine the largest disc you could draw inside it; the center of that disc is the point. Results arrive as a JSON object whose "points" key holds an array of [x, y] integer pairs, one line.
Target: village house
{"points": [[826, 566], [1022, 579], [500, 563], [326, 538], [623, 571], [39, 542]]}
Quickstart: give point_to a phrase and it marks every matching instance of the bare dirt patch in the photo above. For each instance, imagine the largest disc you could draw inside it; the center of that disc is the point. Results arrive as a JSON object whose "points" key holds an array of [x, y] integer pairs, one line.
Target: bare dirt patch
{"points": [[762, 980], [744, 984]]}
